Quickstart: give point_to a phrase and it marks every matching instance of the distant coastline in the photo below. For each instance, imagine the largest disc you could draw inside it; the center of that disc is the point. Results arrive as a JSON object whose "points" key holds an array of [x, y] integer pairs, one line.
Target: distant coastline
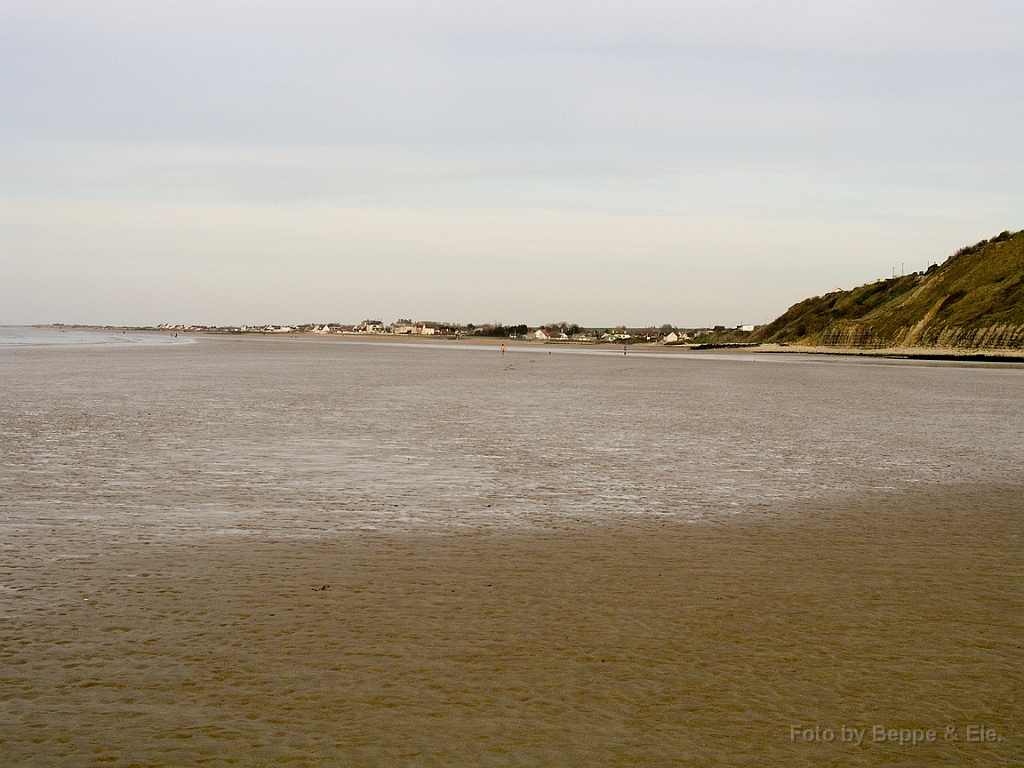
{"points": [[969, 308], [562, 333], [1008, 355]]}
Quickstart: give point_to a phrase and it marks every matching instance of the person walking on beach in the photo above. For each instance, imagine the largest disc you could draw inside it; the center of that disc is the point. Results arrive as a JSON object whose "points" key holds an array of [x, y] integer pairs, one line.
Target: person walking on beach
{"points": [[502, 350], [623, 349]]}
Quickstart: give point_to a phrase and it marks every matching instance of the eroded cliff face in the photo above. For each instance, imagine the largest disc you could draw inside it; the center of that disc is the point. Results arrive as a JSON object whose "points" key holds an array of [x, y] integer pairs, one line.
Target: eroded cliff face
{"points": [[850, 335], [975, 300], [989, 337], [954, 337]]}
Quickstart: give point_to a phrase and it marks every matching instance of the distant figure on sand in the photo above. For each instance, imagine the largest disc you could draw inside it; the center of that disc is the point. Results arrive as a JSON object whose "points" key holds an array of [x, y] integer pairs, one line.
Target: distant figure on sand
{"points": [[502, 350], [623, 349]]}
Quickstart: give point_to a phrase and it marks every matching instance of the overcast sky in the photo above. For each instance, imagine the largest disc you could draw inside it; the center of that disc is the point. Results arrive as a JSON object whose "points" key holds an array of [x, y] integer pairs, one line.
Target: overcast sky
{"points": [[604, 163]]}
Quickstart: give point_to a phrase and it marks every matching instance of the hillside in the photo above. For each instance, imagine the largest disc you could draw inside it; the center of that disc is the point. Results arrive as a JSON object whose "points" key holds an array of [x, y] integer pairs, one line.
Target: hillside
{"points": [[975, 300]]}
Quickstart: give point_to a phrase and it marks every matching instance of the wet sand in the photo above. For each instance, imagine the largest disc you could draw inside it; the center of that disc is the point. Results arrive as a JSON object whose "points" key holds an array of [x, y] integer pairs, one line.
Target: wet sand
{"points": [[644, 641]]}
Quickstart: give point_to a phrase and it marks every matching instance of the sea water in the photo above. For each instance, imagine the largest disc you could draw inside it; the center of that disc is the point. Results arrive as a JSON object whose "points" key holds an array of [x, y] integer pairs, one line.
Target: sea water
{"points": [[66, 336]]}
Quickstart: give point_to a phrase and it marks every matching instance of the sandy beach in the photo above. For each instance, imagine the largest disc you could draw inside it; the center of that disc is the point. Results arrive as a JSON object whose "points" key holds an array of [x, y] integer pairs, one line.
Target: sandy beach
{"points": [[924, 353], [227, 551], [634, 643]]}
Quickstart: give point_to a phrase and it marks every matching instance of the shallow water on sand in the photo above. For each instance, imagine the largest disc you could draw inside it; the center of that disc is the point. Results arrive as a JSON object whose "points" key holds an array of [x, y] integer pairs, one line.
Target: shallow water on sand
{"points": [[304, 436], [61, 336]]}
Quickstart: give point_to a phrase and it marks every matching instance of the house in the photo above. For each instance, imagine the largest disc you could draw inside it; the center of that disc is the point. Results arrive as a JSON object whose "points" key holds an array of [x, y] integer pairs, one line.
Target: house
{"points": [[549, 334], [671, 337], [403, 327]]}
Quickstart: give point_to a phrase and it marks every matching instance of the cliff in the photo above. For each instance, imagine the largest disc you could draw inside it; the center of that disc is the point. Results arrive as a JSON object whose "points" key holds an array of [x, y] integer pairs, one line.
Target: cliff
{"points": [[974, 300]]}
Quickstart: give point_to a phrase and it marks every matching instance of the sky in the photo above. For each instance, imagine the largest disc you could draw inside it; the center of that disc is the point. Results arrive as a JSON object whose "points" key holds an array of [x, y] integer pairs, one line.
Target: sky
{"points": [[605, 163]]}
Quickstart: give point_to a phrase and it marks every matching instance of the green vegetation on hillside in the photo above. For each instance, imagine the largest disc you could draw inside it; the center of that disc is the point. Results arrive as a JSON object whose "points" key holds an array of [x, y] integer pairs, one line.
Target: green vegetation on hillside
{"points": [[975, 300]]}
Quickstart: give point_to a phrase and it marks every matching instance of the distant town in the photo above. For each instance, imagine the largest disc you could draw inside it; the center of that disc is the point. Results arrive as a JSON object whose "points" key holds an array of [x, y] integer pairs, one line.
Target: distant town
{"points": [[554, 332]]}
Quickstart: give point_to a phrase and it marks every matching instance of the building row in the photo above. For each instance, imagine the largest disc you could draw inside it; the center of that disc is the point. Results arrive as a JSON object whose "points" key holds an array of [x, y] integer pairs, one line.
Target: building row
{"points": [[405, 327]]}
